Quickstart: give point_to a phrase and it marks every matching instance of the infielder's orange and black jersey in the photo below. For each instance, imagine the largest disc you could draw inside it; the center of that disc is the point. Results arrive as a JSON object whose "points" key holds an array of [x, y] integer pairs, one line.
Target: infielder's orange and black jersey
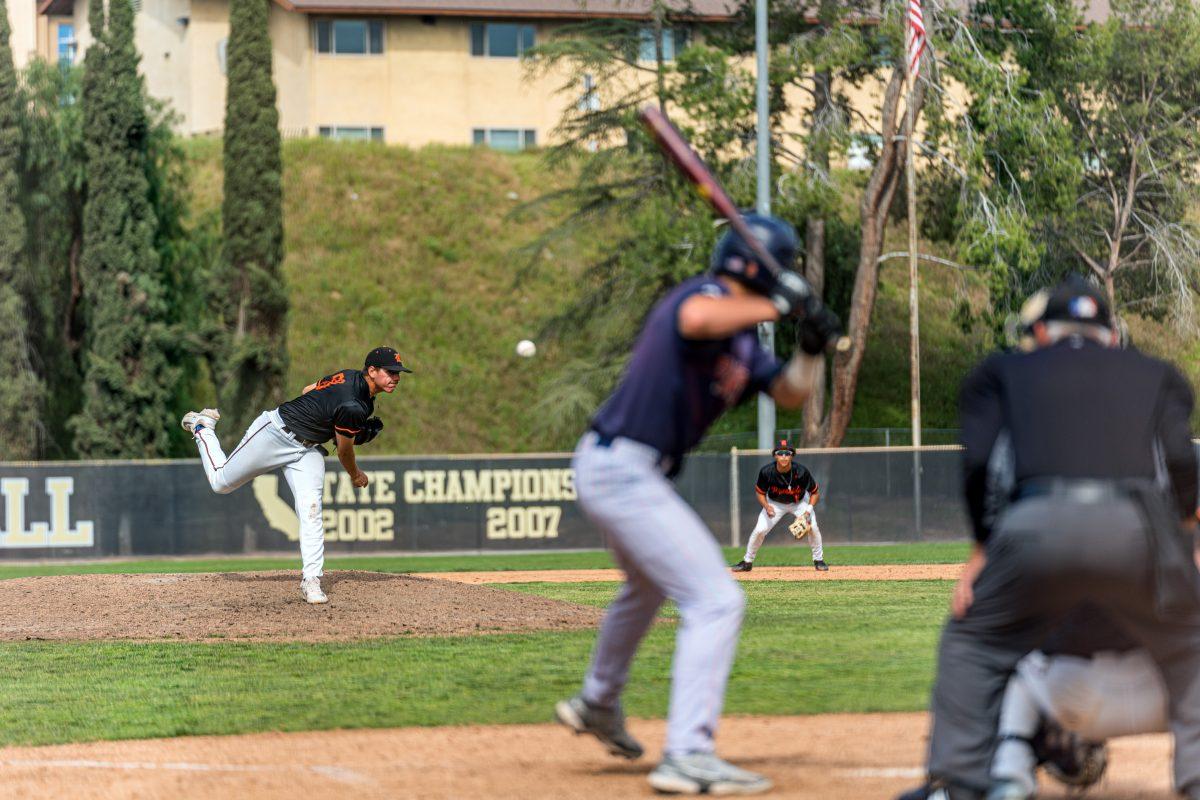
{"points": [[339, 403], [786, 487]]}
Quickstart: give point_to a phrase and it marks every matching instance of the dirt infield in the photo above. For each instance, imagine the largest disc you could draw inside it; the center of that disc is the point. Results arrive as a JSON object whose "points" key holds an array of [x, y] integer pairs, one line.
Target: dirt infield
{"points": [[878, 572], [266, 606], [823, 757], [829, 757]]}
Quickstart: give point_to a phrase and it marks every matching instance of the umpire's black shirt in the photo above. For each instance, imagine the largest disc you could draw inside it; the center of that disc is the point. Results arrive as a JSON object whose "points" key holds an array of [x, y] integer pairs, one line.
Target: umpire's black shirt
{"points": [[340, 403], [1077, 409]]}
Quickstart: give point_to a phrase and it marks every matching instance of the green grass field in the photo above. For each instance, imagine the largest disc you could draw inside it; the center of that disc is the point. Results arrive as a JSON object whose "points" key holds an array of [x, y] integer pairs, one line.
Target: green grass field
{"points": [[806, 648]]}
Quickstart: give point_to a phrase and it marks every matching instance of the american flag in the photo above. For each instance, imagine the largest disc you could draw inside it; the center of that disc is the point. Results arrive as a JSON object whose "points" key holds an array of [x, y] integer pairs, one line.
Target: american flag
{"points": [[915, 38]]}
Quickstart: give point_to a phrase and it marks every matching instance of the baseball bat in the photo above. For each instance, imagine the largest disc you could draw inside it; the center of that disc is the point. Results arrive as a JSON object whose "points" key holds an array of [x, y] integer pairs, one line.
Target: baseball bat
{"points": [[681, 154]]}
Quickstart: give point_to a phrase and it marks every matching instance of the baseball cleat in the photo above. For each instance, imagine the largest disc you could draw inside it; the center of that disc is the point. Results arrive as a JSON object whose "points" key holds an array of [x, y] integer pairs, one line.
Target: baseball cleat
{"points": [[205, 418], [704, 773], [607, 725], [821, 566], [743, 566], [310, 588]]}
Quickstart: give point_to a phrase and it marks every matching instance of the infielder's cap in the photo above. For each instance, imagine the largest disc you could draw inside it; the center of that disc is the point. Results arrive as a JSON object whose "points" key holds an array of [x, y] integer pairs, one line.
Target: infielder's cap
{"points": [[385, 358], [785, 449], [1076, 300]]}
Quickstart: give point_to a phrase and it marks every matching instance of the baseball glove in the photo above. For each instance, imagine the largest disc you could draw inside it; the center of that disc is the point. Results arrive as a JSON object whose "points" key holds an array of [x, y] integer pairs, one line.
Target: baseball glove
{"points": [[370, 431], [801, 525], [1068, 758]]}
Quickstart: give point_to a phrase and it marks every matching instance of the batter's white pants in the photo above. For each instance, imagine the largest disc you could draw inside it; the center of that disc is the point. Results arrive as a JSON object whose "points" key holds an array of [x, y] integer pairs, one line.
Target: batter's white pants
{"points": [[266, 447], [1109, 695], [766, 523], [666, 551]]}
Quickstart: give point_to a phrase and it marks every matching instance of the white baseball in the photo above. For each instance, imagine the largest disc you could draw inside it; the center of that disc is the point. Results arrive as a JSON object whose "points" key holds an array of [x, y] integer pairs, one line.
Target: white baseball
{"points": [[526, 348]]}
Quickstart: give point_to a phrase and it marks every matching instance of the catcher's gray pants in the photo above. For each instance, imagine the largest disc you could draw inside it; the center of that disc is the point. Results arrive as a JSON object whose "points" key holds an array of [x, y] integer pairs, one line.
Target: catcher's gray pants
{"points": [[1111, 694], [266, 447], [666, 551], [766, 523], [1048, 555]]}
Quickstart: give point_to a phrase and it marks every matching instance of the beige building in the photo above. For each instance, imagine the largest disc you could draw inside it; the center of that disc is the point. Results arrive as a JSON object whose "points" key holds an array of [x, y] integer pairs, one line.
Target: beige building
{"points": [[402, 71], [408, 72]]}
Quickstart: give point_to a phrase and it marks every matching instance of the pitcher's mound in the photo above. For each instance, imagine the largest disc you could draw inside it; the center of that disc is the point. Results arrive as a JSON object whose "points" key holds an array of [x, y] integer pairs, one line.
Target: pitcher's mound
{"points": [[249, 606]]}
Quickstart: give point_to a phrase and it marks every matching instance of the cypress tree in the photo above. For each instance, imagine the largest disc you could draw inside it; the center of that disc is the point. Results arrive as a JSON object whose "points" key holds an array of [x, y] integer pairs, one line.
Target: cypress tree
{"points": [[21, 391], [128, 379], [252, 302]]}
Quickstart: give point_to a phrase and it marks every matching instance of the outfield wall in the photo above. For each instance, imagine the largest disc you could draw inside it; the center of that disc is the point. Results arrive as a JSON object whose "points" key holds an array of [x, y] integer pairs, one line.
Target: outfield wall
{"points": [[440, 503]]}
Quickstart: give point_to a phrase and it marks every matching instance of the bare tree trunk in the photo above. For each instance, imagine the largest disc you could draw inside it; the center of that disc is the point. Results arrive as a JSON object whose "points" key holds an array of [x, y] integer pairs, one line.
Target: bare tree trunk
{"points": [[815, 424], [873, 211], [1110, 292]]}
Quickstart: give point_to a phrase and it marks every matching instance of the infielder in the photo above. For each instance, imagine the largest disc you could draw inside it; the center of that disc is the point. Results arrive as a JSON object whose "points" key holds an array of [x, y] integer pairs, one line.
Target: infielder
{"points": [[782, 488], [696, 356], [339, 407], [1094, 443]]}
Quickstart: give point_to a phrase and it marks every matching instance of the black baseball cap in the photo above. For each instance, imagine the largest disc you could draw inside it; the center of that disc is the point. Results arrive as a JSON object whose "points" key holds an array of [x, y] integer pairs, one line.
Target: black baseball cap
{"points": [[385, 358], [1077, 300], [785, 449]]}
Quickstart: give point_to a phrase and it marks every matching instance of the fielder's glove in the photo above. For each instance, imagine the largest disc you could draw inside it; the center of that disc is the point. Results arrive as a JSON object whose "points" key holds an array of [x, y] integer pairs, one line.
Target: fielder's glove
{"points": [[801, 525], [370, 431]]}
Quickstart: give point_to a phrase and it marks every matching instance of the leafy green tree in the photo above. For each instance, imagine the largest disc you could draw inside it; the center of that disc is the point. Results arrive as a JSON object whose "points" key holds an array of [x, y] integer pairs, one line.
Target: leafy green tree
{"points": [[250, 296], [128, 379], [21, 392], [711, 92], [1090, 171]]}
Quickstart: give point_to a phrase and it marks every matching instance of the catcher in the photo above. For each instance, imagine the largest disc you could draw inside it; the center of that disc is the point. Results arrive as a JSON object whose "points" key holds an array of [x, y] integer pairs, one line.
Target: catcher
{"points": [[783, 488], [339, 407]]}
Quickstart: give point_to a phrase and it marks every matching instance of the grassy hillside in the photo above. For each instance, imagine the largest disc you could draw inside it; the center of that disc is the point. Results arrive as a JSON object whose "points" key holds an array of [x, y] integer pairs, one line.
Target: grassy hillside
{"points": [[415, 249]]}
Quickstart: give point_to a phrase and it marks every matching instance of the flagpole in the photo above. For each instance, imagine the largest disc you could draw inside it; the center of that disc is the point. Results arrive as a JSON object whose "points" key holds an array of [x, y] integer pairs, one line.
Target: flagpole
{"points": [[915, 37]]}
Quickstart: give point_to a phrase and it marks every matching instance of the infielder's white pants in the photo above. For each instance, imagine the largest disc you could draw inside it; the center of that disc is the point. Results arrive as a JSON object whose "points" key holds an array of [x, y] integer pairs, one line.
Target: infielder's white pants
{"points": [[266, 447], [766, 523], [1109, 695], [666, 551]]}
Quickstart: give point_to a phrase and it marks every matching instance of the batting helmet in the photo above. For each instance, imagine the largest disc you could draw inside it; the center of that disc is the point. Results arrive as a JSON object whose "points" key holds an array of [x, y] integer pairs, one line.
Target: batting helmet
{"points": [[733, 256]]}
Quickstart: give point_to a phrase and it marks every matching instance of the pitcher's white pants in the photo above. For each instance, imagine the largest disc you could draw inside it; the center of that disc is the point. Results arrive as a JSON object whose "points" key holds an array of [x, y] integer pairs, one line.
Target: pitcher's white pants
{"points": [[1109, 695], [266, 447], [766, 523], [666, 552]]}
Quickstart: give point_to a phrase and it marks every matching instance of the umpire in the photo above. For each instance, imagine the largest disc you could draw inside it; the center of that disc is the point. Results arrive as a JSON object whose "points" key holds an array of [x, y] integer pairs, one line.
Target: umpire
{"points": [[1089, 448]]}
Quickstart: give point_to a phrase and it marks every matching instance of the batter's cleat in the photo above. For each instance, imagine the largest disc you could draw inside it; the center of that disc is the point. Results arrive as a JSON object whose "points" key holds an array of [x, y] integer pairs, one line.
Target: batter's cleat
{"points": [[310, 588], [704, 773], [1009, 790], [821, 566], [743, 566], [205, 418], [607, 725]]}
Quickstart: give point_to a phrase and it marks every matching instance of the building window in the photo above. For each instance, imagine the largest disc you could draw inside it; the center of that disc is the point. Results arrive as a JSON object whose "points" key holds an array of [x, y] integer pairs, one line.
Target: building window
{"points": [[350, 37], [500, 39], [505, 138], [347, 133], [66, 43], [674, 40]]}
